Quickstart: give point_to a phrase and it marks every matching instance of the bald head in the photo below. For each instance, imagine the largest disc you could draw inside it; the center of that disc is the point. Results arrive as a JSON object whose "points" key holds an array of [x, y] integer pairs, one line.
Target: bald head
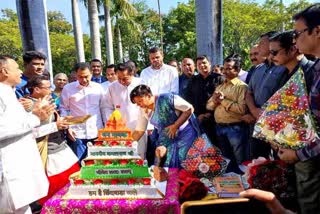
{"points": [[10, 74], [188, 67]]}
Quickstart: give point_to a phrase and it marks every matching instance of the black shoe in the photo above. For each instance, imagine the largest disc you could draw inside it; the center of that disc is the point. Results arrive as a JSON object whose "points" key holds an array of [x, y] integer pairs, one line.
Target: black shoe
{"points": [[35, 207]]}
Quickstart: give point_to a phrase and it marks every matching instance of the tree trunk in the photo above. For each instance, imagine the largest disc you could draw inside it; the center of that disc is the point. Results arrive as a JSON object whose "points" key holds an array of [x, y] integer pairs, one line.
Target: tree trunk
{"points": [[120, 51], [33, 24], [77, 31], [108, 32], [94, 29], [209, 29]]}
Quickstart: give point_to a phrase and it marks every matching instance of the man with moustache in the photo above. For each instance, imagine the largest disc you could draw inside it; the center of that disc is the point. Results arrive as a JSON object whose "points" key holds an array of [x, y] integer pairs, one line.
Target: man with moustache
{"points": [[118, 97], [96, 66], [255, 59], [22, 177], [228, 104], [198, 92], [264, 82], [307, 160], [160, 77], [110, 75], [188, 70]]}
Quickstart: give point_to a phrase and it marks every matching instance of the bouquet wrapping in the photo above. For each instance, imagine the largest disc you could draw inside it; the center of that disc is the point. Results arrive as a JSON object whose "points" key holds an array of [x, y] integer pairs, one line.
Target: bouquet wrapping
{"points": [[204, 160], [271, 175], [286, 120]]}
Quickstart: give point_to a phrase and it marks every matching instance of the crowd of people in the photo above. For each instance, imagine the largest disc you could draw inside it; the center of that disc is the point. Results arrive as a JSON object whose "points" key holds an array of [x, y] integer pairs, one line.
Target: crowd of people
{"points": [[166, 111]]}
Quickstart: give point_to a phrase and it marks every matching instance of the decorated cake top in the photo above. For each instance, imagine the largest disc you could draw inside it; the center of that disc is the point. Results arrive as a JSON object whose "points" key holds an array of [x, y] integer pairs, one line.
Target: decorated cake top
{"points": [[115, 121], [115, 128]]}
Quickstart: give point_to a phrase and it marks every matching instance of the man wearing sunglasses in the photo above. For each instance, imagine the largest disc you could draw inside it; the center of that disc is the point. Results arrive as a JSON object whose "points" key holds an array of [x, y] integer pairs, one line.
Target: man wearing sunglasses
{"points": [[307, 167], [265, 81], [284, 52]]}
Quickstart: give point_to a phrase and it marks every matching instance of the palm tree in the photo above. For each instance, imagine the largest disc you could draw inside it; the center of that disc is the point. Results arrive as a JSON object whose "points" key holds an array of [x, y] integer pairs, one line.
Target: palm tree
{"points": [[160, 24], [33, 24], [93, 15], [77, 31], [108, 33], [123, 12], [209, 29]]}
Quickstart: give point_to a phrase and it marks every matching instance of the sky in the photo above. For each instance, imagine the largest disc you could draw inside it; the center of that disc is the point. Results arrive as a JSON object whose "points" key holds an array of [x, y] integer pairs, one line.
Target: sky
{"points": [[65, 7]]}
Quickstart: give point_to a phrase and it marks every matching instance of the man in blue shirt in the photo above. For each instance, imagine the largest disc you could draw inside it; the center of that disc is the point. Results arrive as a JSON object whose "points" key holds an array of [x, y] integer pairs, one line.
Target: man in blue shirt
{"points": [[263, 84], [33, 62], [96, 67]]}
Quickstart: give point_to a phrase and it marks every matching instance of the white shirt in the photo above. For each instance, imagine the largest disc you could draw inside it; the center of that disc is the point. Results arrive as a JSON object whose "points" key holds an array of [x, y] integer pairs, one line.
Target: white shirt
{"points": [[105, 85], [243, 75], [77, 100], [179, 104], [20, 162], [118, 94], [164, 80]]}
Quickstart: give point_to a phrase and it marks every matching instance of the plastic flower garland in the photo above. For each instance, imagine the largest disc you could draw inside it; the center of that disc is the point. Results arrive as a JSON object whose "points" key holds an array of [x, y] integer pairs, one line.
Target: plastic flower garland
{"points": [[204, 160], [286, 120]]}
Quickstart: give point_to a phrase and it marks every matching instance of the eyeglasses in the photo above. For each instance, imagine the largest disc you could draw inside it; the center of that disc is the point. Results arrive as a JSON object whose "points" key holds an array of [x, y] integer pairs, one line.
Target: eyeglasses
{"points": [[48, 88], [275, 52], [296, 34]]}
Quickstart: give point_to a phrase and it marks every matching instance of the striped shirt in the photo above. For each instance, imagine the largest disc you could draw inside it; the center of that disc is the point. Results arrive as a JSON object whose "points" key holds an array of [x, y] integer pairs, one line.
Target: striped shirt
{"points": [[313, 149]]}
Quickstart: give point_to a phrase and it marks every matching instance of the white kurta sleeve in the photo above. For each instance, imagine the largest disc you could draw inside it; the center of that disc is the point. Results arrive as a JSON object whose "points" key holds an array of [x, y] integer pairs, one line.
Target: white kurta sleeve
{"points": [[175, 81], [109, 103], [180, 104], [104, 105], [14, 125], [142, 122], [64, 102]]}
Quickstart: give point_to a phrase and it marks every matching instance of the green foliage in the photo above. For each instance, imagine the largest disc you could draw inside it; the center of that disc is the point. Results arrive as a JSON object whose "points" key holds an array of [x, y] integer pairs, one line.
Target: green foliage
{"points": [[57, 23], [243, 23], [10, 41], [9, 15], [63, 50], [63, 53], [139, 33], [180, 32], [145, 37], [62, 43]]}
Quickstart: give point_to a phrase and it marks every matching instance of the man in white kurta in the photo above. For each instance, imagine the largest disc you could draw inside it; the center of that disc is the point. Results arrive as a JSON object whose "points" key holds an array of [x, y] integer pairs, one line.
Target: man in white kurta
{"points": [[160, 77], [118, 96], [22, 176]]}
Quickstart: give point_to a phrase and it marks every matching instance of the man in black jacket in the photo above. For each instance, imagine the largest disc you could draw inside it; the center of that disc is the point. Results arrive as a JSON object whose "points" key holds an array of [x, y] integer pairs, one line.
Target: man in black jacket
{"points": [[199, 90]]}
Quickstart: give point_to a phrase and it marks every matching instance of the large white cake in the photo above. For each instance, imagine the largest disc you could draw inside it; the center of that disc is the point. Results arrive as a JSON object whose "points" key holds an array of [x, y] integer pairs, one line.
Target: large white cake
{"points": [[113, 168]]}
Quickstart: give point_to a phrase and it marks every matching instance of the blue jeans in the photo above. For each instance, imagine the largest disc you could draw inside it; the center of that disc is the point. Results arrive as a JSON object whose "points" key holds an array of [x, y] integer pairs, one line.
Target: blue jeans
{"points": [[232, 139], [79, 147]]}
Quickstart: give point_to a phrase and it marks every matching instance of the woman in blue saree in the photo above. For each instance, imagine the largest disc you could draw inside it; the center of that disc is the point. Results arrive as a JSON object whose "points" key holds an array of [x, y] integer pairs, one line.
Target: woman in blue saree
{"points": [[172, 117]]}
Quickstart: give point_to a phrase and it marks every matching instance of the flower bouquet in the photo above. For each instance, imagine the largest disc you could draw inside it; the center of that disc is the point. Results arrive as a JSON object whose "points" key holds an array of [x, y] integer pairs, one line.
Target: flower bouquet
{"points": [[274, 176], [191, 188], [286, 120], [204, 160]]}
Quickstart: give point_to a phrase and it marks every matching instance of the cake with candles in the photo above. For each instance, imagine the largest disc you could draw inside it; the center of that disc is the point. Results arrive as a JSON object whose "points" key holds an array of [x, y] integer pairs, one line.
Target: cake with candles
{"points": [[113, 168]]}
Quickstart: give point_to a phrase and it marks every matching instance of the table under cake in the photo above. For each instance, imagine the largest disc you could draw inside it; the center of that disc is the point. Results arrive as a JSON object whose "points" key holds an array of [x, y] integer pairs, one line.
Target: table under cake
{"points": [[169, 204]]}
